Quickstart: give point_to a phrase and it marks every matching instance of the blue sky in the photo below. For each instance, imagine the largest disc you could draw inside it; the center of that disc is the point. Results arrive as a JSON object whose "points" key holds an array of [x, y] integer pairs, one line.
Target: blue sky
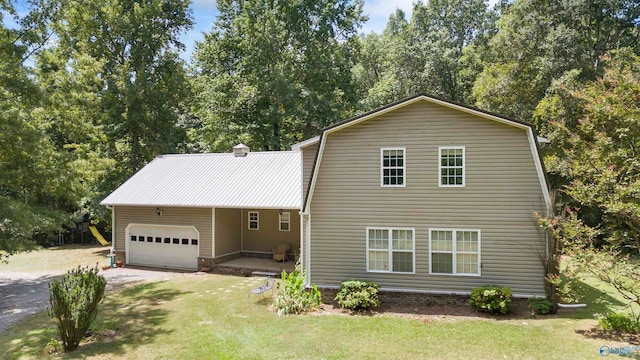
{"points": [[204, 13]]}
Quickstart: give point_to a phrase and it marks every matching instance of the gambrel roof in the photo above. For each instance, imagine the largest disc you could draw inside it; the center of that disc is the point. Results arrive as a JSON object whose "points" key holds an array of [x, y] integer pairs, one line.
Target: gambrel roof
{"points": [[530, 130]]}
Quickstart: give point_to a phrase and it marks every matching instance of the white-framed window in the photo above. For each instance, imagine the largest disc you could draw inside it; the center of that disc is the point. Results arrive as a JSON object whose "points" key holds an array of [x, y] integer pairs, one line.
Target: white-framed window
{"points": [[253, 222], [451, 166], [392, 167], [454, 251], [391, 249], [285, 221]]}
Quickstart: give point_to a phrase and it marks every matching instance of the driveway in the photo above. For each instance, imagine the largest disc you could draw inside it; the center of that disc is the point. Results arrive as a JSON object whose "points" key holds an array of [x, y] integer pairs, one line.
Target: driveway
{"points": [[25, 293]]}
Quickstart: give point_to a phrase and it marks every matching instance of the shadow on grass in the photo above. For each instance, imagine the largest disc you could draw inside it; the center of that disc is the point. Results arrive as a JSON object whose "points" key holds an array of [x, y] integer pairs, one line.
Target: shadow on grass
{"points": [[598, 302], [135, 315]]}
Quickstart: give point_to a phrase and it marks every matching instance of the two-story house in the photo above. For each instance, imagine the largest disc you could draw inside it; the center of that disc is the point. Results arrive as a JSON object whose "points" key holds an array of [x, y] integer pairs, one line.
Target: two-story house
{"points": [[425, 195], [421, 196]]}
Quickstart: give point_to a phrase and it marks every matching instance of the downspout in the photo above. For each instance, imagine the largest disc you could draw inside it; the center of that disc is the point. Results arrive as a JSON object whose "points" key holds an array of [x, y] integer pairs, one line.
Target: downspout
{"points": [[113, 228]]}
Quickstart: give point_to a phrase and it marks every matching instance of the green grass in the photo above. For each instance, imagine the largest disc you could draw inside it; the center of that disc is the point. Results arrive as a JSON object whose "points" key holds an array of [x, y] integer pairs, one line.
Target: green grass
{"points": [[57, 258], [211, 317]]}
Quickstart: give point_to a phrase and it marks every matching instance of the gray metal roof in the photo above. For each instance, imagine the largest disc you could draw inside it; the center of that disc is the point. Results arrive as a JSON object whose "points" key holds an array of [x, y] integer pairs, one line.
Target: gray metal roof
{"points": [[258, 180]]}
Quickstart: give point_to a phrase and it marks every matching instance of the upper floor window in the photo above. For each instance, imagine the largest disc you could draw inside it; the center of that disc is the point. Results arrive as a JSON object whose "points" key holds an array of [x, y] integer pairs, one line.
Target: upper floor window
{"points": [[285, 221], [392, 167], [451, 166], [390, 250], [253, 220]]}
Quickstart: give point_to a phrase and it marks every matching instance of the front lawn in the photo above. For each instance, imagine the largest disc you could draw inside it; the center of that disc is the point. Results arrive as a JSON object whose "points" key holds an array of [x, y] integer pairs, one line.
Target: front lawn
{"points": [[210, 316]]}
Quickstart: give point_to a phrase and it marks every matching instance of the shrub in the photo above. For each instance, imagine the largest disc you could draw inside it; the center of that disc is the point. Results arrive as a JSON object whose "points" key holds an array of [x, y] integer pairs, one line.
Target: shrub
{"points": [[492, 299], [540, 306], [620, 322], [292, 297], [74, 300], [358, 295]]}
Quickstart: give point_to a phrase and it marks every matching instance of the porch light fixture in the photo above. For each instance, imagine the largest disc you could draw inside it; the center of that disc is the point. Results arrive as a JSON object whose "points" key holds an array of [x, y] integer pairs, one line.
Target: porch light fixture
{"points": [[158, 211], [280, 211]]}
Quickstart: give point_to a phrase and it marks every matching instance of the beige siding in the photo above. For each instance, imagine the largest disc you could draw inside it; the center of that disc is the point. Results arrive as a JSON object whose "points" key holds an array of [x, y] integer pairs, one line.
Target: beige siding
{"points": [[198, 217], [269, 235], [308, 159], [228, 231], [502, 190]]}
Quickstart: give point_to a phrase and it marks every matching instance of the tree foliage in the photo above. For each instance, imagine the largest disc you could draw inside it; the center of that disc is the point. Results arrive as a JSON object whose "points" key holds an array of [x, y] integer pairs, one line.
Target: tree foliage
{"points": [[600, 160], [36, 185], [274, 72], [538, 42], [436, 52], [600, 227]]}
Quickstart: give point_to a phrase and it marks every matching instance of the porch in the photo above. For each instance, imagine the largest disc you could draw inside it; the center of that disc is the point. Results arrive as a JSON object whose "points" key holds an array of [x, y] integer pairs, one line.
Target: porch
{"points": [[249, 266]]}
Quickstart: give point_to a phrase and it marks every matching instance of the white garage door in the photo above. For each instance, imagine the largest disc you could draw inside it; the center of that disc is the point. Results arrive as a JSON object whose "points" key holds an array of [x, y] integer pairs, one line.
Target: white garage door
{"points": [[174, 247]]}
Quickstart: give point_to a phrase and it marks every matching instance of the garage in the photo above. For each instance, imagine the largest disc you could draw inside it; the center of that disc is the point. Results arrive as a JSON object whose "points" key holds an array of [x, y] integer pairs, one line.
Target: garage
{"points": [[164, 246]]}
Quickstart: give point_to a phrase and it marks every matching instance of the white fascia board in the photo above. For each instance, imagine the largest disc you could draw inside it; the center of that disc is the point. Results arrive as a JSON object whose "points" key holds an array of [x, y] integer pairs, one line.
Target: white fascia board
{"points": [[305, 143], [538, 164], [315, 173]]}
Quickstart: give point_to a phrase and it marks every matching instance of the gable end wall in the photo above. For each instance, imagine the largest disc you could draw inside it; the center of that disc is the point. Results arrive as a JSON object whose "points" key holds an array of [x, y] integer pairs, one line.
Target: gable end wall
{"points": [[502, 190]]}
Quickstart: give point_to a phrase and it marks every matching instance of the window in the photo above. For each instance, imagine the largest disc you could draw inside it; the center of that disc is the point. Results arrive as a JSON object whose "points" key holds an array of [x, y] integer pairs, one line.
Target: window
{"points": [[285, 221], [185, 241], [392, 167], [133, 238], [390, 250], [176, 241], [253, 220], [455, 252], [451, 166], [158, 239], [194, 241], [167, 240], [149, 238]]}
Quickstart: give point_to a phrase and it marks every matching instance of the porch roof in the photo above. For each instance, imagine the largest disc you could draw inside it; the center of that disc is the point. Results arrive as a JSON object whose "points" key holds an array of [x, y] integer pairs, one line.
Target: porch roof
{"points": [[258, 180]]}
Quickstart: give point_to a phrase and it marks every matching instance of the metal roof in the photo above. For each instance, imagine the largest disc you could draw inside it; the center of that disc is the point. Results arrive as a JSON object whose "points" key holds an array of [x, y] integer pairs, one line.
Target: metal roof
{"points": [[258, 180]]}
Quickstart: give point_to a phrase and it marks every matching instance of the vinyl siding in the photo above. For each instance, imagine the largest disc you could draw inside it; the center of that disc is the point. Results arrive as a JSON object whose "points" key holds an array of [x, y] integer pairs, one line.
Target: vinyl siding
{"points": [[198, 217], [268, 235], [308, 159], [228, 231], [502, 190]]}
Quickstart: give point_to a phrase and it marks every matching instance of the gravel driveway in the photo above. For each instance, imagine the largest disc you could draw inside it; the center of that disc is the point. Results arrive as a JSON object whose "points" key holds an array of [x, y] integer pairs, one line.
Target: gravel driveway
{"points": [[25, 293]]}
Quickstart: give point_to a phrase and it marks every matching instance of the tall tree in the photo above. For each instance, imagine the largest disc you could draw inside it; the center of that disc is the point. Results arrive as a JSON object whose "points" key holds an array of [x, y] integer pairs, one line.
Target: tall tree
{"points": [[601, 152], [36, 182], [131, 47], [272, 72], [539, 41], [429, 54]]}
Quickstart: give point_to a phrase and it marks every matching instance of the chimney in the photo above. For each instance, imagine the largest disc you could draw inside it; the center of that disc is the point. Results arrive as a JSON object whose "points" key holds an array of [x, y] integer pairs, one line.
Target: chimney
{"points": [[240, 150]]}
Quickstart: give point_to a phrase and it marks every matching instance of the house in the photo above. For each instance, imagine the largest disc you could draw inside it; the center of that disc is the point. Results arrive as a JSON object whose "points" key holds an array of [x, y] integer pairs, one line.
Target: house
{"points": [[422, 196], [425, 196], [190, 211]]}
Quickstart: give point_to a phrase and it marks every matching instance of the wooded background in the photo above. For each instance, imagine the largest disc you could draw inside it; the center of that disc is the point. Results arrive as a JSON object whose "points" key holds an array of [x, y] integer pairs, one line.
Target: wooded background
{"points": [[91, 90]]}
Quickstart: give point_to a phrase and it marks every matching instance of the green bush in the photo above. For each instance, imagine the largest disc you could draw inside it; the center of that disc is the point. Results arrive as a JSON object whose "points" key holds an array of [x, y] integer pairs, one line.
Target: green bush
{"points": [[492, 299], [358, 295], [620, 322], [292, 297], [74, 299], [540, 306]]}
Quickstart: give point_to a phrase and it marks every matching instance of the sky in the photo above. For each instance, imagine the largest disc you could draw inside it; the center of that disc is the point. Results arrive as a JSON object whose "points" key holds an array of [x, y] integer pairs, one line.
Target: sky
{"points": [[204, 13]]}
